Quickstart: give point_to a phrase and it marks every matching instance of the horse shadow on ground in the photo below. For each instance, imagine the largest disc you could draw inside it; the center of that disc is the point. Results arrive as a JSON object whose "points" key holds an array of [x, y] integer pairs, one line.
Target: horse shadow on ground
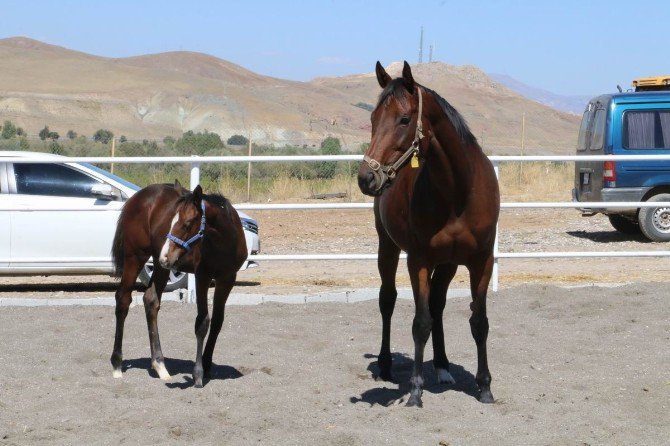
{"points": [[608, 236], [402, 371], [183, 367]]}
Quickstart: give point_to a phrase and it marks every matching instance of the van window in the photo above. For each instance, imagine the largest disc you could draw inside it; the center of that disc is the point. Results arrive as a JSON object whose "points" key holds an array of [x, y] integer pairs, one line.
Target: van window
{"points": [[646, 129], [598, 131], [583, 138]]}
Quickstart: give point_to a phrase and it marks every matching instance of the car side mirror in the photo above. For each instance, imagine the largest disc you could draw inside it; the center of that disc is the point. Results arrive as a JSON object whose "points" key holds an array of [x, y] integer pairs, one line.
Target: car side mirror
{"points": [[103, 191]]}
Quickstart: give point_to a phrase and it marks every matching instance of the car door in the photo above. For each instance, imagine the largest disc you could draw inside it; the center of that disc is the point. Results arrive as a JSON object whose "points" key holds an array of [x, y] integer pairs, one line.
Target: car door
{"points": [[4, 218], [57, 223]]}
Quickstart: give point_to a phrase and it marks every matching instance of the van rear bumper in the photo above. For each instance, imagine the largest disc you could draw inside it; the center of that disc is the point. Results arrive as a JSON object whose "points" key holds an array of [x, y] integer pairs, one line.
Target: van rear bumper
{"points": [[615, 194]]}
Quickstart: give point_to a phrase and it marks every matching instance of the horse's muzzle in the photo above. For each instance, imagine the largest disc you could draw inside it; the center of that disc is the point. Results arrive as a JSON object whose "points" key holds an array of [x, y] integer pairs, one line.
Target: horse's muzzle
{"points": [[372, 182]]}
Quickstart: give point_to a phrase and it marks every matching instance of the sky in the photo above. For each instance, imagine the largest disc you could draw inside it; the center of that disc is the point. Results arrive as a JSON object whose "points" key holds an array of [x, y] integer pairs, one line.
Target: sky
{"points": [[568, 47]]}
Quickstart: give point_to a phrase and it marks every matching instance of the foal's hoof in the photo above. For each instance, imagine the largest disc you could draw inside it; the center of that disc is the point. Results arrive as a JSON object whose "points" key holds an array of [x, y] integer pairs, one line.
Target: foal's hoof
{"points": [[414, 401], [444, 377], [163, 374], [486, 397]]}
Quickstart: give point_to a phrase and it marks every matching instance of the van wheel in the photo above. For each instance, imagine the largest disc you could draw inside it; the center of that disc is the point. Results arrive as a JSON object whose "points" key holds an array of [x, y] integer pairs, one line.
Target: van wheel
{"points": [[655, 222], [176, 279], [624, 225]]}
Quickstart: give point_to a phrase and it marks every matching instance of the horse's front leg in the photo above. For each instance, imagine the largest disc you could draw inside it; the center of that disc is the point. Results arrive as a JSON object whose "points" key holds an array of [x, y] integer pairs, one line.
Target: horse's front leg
{"points": [[387, 263], [152, 303], [221, 293], [202, 282], [480, 274], [419, 273]]}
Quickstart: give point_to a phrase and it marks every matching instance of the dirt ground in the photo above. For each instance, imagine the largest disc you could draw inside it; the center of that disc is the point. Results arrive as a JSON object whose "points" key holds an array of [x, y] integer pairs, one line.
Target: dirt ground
{"points": [[579, 366]]}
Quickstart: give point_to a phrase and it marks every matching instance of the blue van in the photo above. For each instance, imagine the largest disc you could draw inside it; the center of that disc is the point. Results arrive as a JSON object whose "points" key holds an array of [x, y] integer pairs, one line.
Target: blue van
{"points": [[632, 123]]}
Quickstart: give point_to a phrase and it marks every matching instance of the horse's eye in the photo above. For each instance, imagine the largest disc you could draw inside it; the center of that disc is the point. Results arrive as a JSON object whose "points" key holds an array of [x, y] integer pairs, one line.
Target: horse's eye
{"points": [[404, 120]]}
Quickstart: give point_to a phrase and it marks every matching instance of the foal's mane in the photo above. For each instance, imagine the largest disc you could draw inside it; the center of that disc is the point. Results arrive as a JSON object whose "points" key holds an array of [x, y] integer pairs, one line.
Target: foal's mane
{"points": [[398, 90], [217, 200]]}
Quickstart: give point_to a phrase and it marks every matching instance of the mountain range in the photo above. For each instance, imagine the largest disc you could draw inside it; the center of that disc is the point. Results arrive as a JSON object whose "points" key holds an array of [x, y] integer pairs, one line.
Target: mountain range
{"points": [[166, 94]]}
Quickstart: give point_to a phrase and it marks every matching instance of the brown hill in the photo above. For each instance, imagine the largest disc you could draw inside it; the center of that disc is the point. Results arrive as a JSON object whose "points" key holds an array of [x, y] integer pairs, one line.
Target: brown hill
{"points": [[166, 94]]}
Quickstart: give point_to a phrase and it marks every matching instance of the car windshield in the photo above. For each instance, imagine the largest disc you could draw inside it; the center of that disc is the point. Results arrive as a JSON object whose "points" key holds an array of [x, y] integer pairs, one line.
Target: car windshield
{"points": [[112, 176]]}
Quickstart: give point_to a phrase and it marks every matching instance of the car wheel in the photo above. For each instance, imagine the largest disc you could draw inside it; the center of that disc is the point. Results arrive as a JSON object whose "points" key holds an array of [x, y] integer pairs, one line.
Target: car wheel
{"points": [[655, 222], [624, 225], [176, 280]]}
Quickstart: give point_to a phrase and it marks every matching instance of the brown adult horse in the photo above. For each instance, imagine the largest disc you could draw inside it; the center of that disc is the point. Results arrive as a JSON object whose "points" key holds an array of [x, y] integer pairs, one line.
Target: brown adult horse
{"points": [[189, 232], [441, 208]]}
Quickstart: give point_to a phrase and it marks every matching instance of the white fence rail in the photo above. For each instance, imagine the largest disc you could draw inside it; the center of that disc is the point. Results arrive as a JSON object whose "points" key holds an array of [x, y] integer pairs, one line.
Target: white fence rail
{"points": [[196, 161]]}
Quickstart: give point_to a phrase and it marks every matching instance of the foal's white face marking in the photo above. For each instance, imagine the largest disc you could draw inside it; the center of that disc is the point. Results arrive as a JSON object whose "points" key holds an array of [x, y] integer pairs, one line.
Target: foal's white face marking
{"points": [[166, 247]]}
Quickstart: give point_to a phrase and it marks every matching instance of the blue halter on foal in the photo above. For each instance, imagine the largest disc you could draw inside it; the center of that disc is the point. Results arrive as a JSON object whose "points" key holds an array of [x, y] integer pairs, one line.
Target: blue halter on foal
{"points": [[187, 244]]}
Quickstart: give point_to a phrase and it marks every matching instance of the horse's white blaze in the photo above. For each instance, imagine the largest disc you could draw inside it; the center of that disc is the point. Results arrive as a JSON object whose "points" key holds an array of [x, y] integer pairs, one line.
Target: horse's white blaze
{"points": [[159, 367], [166, 247], [443, 376], [117, 373]]}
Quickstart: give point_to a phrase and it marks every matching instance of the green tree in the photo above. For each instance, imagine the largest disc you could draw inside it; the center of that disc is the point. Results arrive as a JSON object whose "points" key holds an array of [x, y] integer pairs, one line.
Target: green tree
{"points": [[169, 141], [329, 146], [53, 136], [102, 135], [192, 143], [237, 140], [44, 133], [20, 131], [71, 134], [123, 139], [8, 130]]}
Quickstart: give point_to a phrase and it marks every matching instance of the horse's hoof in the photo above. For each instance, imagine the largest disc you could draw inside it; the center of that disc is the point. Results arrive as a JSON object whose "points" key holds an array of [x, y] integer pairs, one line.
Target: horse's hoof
{"points": [[117, 373], [486, 397], [163, 374], [444, 377], [414, 401], [198, 384]]}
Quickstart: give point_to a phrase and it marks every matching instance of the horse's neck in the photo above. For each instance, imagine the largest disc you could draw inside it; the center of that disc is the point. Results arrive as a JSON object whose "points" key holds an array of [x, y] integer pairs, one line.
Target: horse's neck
{"points": [[448, 166]]}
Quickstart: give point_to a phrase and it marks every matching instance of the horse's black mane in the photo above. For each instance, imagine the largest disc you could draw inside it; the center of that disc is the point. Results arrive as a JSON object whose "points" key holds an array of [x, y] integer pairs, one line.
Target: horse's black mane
{"points": [[398, 90], [215, 199]]}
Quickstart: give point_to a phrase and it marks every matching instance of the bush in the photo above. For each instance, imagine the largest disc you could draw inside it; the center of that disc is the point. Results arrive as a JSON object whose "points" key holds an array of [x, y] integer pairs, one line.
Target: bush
{"points": [[329, 146], [8, 130], [71, 134], [103, 136], [44, 133], [192, 143], [237, 140]]}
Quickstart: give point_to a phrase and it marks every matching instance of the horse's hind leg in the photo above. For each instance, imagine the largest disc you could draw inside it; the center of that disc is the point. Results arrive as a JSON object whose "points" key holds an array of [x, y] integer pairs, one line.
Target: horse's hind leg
{"points": [[480, 274], [439, 283], [202, 282], [221, 293], [152, 303], [387, 263], [131, 269]]}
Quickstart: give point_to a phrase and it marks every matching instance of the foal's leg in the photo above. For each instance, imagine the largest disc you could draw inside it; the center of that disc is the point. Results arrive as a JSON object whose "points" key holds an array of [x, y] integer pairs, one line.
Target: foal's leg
{"points": [[152, 303], [387, 263], [419, 273], [202, 282], [221, 293], [131, 268], [439, 284], [480, 274]]}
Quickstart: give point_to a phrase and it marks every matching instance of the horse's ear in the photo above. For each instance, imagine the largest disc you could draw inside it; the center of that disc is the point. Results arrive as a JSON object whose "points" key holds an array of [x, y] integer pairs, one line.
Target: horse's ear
{"points": [[197, 194], [407, 76], [382, 76], [177, 184]]}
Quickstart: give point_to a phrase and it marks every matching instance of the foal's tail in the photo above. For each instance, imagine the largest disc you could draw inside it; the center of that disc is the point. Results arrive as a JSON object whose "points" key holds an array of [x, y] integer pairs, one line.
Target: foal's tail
{"points": [[117, 248]]}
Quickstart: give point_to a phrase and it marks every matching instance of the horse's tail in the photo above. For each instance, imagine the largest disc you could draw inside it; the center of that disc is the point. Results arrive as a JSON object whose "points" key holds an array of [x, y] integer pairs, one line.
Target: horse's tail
{"points": [[117, 248]]}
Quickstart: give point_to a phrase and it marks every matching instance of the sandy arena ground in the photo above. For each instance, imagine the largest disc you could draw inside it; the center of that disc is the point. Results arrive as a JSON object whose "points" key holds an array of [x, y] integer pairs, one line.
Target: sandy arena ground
{"points": [[578, 366]]}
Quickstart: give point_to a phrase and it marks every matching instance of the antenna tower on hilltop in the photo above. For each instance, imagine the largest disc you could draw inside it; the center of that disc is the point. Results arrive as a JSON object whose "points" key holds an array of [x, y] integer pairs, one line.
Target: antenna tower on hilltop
{"points": [[430, 53], [421, 46]]}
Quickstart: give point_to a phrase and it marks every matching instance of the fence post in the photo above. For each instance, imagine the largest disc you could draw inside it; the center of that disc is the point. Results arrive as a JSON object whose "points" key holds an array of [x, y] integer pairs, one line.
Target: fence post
{"points": [[195, 180], [494, 275]]}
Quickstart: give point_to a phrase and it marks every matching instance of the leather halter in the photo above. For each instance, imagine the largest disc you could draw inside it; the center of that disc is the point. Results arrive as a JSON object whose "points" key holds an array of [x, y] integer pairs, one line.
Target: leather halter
{"points": [[385, 173], [187, 245]]}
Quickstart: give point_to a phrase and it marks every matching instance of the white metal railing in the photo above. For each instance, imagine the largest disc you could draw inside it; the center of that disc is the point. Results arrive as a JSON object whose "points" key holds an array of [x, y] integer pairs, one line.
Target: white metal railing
{"points": [[196, 161]]}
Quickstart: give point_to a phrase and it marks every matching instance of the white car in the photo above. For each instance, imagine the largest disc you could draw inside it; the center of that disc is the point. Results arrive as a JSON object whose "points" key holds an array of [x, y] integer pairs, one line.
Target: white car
{"points": [[60, 219]]}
